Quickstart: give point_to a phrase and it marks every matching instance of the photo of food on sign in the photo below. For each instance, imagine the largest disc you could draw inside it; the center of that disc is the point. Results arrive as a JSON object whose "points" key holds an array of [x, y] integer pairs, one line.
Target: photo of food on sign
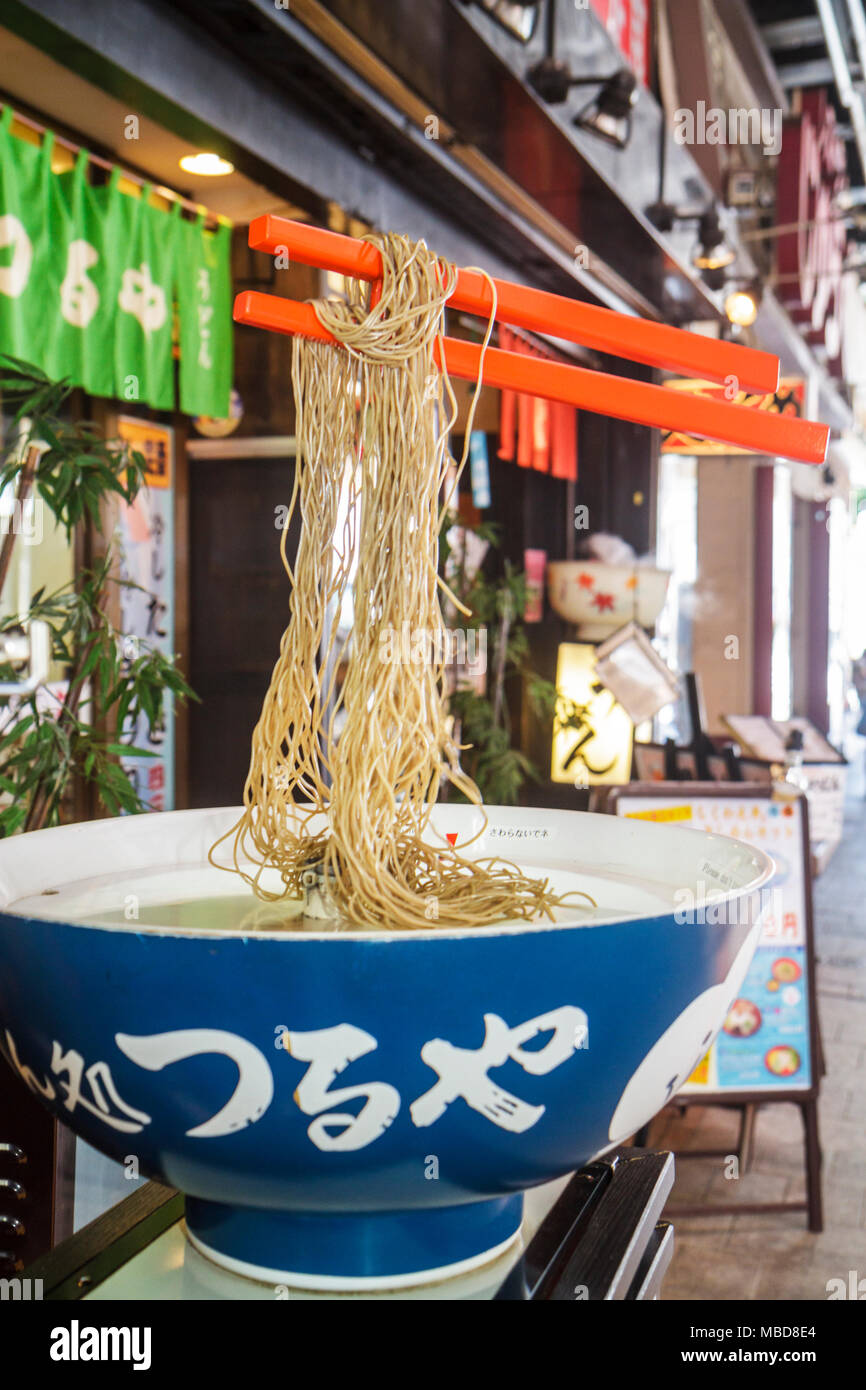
{"points": [[782, 1061], [765, 1038], [743, 1020]]}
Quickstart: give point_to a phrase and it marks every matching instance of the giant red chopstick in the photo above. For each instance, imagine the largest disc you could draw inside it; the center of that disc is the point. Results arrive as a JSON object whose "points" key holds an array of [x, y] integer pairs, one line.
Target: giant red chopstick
{"points": [[659, 345]]}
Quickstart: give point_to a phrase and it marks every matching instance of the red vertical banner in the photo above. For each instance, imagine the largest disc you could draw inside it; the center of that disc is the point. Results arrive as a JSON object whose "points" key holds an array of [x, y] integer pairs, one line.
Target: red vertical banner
{"points": [[563, 442], [508, 406], [628, 23], [812, 173], [536, 433]]}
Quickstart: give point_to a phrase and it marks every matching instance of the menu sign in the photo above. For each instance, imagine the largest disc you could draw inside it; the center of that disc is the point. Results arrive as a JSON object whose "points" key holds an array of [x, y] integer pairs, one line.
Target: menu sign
{"points": [[765, 1042]]}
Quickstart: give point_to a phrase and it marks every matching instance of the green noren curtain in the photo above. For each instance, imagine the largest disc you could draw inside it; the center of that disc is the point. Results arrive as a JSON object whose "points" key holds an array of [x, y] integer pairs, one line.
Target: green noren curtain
{"points": [[89, 281]]}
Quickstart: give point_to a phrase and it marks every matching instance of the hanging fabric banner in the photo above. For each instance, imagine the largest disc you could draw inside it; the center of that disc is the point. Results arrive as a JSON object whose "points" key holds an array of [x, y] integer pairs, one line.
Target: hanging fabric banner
{"points": [[535, 433], [143, 365], [82, 343], [28, 258], [205, 313], [89, 280]]}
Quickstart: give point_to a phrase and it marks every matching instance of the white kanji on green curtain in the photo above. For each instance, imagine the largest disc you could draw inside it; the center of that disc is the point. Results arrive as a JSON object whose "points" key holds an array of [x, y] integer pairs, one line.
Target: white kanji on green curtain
{"points": [[32, 239], [143, 362], [204, 295], [89, 279], [82, 341]]}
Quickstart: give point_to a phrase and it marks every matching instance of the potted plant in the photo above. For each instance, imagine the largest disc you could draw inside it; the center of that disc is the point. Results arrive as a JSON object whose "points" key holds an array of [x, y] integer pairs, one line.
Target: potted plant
{"points": [[46, 747]]}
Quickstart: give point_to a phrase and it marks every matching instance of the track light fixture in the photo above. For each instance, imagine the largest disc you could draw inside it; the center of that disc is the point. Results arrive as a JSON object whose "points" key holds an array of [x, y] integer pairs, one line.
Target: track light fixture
{"points": [[607, 115], [713, 252], [518, 17]]}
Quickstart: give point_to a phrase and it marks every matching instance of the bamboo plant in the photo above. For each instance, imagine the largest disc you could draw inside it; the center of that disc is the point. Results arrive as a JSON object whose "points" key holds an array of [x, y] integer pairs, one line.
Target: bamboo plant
{"points": [[498, 767], [47, 746]]}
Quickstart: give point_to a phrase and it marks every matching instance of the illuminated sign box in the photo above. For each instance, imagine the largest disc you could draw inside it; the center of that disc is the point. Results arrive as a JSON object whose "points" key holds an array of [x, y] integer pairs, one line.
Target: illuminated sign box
{"points": [[592, 734]]}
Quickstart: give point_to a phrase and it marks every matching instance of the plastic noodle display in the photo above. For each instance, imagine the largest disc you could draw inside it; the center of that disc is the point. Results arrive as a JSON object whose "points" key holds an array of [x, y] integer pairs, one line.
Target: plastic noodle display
{"points": [[373, 417]]}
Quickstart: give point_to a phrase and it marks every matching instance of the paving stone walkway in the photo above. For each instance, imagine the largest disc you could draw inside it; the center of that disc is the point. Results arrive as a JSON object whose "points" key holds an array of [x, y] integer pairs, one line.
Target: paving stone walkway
{"points": [[775, 1256]]}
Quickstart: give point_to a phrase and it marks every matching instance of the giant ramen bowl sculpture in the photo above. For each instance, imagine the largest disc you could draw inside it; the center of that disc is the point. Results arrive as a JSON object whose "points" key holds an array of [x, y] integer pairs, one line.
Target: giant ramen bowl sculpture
{"points": [[363, 1109]]}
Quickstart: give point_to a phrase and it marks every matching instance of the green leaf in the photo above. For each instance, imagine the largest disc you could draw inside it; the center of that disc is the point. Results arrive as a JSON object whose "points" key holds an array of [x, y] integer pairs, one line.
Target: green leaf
{"points": [[129, 750], [12, 818], [16, 731], [90, 661]]}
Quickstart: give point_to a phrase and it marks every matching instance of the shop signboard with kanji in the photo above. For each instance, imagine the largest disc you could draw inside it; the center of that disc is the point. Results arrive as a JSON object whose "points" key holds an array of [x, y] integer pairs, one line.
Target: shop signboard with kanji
{"points": [[788, 399]]}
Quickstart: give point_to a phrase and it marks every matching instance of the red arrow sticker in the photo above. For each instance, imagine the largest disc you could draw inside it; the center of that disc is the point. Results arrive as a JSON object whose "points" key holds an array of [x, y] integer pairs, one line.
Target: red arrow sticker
{"points": [[452, 838]]}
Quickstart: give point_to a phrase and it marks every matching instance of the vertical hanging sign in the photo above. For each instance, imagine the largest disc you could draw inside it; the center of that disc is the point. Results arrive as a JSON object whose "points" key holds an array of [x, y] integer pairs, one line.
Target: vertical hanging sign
{"points": [[146, 543], [627, 22], [204, 294], [813, 172]]}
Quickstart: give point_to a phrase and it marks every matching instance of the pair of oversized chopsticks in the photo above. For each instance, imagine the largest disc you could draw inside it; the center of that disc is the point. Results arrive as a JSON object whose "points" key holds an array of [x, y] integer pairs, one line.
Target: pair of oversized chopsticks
{"points": [[654, 344]]}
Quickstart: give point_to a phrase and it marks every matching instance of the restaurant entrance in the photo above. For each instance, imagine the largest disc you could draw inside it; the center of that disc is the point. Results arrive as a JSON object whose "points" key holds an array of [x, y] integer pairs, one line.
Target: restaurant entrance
{"points": [[239, 603]]}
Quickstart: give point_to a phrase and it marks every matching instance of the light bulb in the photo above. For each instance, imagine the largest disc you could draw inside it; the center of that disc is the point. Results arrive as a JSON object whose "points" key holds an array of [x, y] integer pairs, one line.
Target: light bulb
{"points": [[741, 308], [209, 164]]}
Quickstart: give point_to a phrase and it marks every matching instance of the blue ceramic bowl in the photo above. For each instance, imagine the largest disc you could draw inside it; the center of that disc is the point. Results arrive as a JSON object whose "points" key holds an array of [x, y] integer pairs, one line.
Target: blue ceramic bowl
{"points": [[364, 1109]]}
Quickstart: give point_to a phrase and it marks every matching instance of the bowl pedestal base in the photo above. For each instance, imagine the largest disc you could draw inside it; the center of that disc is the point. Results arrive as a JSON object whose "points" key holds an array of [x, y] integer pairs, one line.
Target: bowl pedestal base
{"points": [[353, 1252]]}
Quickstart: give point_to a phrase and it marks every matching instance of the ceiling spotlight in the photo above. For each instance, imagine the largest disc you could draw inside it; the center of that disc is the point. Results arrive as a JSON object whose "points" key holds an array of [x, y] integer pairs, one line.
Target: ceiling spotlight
{"points": [[210, 165], [713, 251], [552, 80], [713, 256], [741, 306], [518, 17], [664, 215], [609, 113]]}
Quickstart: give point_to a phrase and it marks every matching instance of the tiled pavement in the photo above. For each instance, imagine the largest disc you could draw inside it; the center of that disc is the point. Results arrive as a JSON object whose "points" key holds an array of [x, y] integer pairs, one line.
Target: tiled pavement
{"points": [[774, 1256]]}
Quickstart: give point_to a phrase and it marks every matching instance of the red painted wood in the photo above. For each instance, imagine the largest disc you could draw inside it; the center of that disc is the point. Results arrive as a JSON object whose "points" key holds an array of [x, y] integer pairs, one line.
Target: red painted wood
{"points": [[757, 430], [656, 344]]}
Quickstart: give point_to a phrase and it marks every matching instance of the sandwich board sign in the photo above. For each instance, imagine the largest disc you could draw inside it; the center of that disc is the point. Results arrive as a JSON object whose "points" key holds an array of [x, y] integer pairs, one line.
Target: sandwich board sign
{"points": [[766, 1045], [769, 1046]]}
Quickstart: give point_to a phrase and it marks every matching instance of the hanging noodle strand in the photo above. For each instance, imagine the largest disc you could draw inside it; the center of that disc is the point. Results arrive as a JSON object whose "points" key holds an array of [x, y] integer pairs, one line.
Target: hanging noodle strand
{"points": [[375, 409]]}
